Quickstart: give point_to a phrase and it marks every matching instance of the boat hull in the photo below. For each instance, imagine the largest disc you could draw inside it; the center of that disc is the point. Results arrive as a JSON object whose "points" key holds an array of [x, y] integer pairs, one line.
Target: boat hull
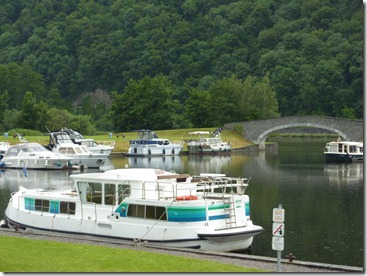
{"points": [[201, 241], [343, 158], [154, 150], [198, 149], [36, 164]]}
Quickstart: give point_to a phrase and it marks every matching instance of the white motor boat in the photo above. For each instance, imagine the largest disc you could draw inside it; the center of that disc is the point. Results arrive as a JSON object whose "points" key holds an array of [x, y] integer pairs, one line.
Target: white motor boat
{"points": [[149, 144], [60, 142], [143, 205], [34, 156], [102, 147], [344, 151], [4, 146], [205, 143]]}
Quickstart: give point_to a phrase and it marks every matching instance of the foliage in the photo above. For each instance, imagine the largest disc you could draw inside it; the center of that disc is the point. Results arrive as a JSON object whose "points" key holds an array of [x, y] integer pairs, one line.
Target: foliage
{"points": [[146, 104], [232, 100], [307, 54]]}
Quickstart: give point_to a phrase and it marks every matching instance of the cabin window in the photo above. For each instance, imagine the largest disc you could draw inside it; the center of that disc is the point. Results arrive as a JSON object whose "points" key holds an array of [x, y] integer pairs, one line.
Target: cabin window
{"points": [[148, 212], [67, 208], [29, 203], [123, 191], [54, 207], [90, 192], [42, 205], [109, 194], [95, 193]]}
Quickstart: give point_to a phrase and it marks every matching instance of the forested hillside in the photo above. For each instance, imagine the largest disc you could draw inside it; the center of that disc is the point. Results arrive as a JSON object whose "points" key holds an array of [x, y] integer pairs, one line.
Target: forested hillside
{"points": [[208, 61]]}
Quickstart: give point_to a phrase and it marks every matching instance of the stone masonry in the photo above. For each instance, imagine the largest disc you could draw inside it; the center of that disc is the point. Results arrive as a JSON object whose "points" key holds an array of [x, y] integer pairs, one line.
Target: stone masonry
{"points": [[258, 130]]}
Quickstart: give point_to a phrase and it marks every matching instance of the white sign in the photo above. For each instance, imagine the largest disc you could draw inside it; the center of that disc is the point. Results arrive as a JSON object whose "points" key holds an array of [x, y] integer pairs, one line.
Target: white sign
{"points": [[278, 229], [278, 215], [278, 243]]}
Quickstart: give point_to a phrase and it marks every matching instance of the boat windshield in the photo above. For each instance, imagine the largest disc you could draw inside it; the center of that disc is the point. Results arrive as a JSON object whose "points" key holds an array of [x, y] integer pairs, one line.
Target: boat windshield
{"points": [[35, 148], [147, 135]]}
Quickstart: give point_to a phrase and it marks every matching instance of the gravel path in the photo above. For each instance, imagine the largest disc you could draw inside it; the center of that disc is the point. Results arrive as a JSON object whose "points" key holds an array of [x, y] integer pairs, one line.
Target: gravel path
{"points": [[265, 263]]}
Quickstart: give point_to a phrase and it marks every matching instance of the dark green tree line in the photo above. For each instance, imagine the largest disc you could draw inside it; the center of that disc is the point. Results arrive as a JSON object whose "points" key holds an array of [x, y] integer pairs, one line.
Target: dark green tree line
{"points": [[311, 53]]}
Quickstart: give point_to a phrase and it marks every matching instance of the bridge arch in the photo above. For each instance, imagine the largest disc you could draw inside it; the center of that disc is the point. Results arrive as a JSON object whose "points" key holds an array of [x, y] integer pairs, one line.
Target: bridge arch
{"points": [[258, 130], [263, 136]]}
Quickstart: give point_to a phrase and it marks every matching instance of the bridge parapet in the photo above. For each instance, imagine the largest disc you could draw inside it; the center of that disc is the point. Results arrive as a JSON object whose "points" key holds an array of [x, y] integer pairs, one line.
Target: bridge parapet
{"points": [[257, 131]]}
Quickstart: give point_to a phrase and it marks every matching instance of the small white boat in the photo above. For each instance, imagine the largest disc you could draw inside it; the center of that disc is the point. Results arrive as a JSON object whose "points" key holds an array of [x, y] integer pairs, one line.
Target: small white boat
{"points": [[102, 147], [149, 144], [60, 142], [344, 151], [34, 156], [4, 146], [203, 143], [207, 212]]}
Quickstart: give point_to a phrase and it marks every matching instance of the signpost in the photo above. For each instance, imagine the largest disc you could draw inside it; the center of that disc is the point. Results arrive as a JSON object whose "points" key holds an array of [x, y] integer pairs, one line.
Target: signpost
{"points": [[278, 232]]}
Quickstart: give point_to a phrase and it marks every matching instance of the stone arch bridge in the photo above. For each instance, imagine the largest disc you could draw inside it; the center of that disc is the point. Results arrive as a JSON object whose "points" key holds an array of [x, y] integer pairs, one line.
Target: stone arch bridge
{"points": [[258, 131]]}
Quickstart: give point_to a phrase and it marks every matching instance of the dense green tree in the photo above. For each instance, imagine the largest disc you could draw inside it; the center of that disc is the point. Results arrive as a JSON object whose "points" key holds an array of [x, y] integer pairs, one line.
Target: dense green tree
{"points": [[29, 116], [146, 104], [57, 119], [4, 97], [11, 119]]}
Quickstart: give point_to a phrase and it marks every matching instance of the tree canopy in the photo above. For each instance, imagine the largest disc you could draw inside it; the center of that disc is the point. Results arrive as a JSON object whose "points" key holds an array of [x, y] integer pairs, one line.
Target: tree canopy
{"points": [[306, 55]]}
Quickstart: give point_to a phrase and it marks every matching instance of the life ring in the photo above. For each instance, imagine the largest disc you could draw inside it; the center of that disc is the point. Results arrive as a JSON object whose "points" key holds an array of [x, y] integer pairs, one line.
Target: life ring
{"points": [[187, 197]]}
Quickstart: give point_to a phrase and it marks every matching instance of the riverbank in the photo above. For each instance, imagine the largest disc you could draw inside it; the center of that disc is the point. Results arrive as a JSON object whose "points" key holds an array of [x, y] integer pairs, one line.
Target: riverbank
{"points": [[265, 263]]}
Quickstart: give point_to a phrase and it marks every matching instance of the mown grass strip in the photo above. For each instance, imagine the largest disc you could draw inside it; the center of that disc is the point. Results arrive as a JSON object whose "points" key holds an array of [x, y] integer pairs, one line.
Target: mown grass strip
{"points": [[28, 255]]}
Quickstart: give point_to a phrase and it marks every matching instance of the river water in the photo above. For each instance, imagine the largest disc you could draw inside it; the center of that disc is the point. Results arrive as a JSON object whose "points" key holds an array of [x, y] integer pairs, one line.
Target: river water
{"points": [[324, 203]]}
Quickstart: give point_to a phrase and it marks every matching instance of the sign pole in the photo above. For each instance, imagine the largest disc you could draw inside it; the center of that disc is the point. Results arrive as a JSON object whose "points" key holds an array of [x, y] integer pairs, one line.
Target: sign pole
{"points": [[278, 233]]}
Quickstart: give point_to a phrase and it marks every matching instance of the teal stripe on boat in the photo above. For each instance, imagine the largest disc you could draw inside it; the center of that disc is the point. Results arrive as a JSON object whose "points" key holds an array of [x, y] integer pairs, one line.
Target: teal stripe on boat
{"points": [[218, 207], [247, 208], [186, 214]]}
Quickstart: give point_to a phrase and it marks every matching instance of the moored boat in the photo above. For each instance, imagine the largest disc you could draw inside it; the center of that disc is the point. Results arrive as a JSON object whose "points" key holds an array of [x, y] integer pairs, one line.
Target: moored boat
{"points": [[205, 143], [4, 146], [207, 212], [60, 142], [101, 147], [344, 151], [34, 156], [149, 144]]}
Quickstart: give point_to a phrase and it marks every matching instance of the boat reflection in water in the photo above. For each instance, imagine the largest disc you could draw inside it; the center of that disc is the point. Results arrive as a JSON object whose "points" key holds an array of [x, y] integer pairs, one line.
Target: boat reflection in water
{"points": [[155, 162], [12, 179], [214, 164], [344, 173]]}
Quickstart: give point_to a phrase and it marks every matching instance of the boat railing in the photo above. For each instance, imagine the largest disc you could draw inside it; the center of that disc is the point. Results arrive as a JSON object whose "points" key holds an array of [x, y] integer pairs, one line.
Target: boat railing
{"points": [[207, 187]]}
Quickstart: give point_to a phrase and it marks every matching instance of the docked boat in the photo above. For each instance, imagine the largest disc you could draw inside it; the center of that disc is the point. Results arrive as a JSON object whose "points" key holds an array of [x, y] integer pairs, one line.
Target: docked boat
{"points": [[101, 147], [60, 142], [4, 146], [34, 156], [149, 144], [143, 205], [203, 143], [344, 151]]}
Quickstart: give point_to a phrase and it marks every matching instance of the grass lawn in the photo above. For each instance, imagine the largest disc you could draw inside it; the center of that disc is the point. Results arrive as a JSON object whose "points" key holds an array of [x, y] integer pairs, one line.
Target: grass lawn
{"points": [[29, 255]]}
